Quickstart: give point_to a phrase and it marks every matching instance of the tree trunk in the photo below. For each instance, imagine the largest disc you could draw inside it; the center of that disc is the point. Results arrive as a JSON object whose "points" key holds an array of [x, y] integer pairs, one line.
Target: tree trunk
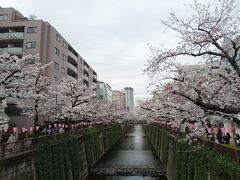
{"points": [[36, 117]]}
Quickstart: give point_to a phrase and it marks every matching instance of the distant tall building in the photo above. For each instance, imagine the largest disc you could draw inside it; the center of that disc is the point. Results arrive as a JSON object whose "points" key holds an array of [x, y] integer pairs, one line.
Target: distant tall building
{"points": [[109, 93], [104, 91], [119, 99], [129, 98]]}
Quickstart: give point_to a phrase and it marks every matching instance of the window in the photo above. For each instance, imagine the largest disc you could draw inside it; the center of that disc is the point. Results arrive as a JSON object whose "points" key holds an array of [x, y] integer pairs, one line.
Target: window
{"points": [[31, 45], [64, 44], [30, 61], [56, 66], [57, 37], [63, 70], [64, 57], [56, 51], [31, 30], [3, 17]]}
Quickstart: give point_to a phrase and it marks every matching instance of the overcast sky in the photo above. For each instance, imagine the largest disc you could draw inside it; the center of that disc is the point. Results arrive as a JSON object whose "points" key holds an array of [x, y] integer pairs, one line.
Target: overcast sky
{"points": [[111, 35]]}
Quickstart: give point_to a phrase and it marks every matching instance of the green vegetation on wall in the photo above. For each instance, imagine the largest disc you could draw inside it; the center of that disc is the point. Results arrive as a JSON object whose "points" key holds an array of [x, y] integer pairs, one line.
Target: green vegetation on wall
{"points": [[58, 159], [93, 146], [64, 158], [194, 160], [160, 140]]}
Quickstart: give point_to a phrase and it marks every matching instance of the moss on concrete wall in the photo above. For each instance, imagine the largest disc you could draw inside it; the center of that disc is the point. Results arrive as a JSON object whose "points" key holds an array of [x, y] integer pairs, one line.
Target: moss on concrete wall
{"points": [[67, 158], [191, 159]]}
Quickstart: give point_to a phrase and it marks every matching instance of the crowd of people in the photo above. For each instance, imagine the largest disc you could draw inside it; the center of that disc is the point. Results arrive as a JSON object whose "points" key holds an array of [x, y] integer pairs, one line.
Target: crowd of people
{"points": [[11, 134], [224, 138]]}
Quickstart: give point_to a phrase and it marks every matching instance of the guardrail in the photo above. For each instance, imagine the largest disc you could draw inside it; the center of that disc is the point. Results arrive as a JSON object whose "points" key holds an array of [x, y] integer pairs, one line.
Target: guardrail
{"points": [[11, 148], [232, 151]]}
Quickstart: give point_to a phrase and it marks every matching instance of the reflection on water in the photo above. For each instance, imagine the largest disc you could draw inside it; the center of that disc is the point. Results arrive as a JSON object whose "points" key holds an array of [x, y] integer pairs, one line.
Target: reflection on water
{"points": [[133, 150]]}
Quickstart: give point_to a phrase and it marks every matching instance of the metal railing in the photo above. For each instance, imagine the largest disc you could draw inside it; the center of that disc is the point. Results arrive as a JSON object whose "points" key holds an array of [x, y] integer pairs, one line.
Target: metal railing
{"points": [[15, 147], [12, 50], [72, 67], [10, 35]]}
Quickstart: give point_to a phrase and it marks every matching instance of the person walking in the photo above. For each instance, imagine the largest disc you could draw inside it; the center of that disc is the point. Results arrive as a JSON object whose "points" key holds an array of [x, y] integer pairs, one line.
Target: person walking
{"points": [[228, 137], [220, 136], [238, 139]]}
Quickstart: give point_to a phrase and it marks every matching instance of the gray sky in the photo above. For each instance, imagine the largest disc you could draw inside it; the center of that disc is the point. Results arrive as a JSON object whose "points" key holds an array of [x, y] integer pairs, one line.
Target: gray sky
{"points": [[111, 35]]}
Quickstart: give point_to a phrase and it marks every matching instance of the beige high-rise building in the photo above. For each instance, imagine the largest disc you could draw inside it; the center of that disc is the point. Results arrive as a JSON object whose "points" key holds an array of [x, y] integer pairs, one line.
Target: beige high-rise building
{"points": [[21, 36], [118, 98]]}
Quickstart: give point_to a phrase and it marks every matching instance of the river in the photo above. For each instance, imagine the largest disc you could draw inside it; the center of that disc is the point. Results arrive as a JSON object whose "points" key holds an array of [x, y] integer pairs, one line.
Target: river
{"points": [[133, 155]]}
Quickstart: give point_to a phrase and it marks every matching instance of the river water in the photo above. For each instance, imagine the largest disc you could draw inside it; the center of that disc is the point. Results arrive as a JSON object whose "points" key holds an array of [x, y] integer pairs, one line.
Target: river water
{"points": [[132, 151]]}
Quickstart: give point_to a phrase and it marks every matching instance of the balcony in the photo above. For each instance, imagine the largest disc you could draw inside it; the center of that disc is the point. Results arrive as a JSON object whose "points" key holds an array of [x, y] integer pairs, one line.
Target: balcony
{"points": [[85, 68], [12, 50], [72, 61], [9, 67], [72, 67], [71, 73], [73, 56], [11, 35], [85, 77], [85, 72], [85, 82], [12, 100], [94, 80], [69, 77]]}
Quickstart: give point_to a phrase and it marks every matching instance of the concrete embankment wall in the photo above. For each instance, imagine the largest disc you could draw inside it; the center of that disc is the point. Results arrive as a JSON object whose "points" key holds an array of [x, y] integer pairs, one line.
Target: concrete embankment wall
{"points": [[197, 159], [65, 157]]}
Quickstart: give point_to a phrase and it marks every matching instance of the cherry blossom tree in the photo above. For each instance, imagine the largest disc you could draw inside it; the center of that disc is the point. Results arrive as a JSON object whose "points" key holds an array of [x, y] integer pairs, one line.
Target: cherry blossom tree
{"points": [[198, 92], [74, 98], [103, 110], [12, 70], [34, 88], [212, 33]]}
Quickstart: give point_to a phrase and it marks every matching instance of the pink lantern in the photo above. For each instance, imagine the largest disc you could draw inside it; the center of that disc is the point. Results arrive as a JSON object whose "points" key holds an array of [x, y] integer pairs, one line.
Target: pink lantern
{"points": [[72, 126], [5, 129], [55, 125], [49, 126], [24, 129], [223, 130], [215, 130], [59, 125], [209, 130], [66, 126], [229, 130], [37, 127], [31, 129], [15, 129]]}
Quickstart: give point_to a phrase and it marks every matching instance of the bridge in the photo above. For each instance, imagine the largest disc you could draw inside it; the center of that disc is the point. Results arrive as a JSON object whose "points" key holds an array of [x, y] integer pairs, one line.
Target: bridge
{"points": [[126, 151]]}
